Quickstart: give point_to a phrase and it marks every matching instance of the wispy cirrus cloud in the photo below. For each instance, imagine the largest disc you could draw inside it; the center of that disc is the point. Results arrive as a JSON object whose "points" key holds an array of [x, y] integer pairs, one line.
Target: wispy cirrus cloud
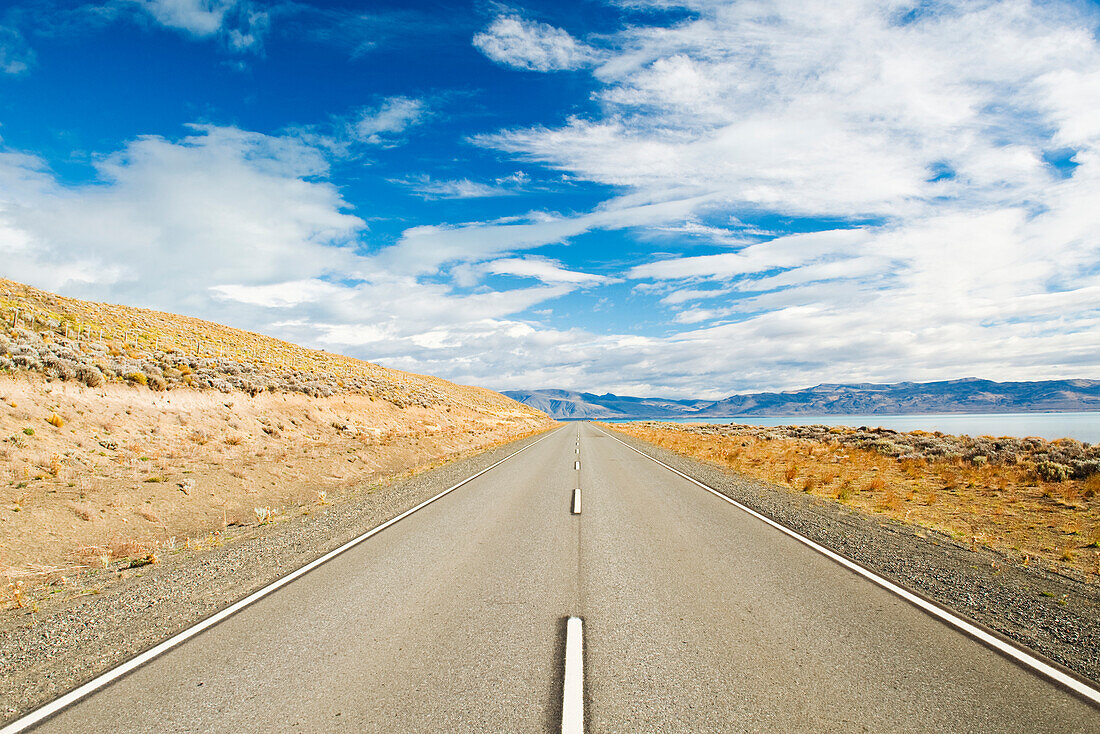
{"points": [[385, 123], [463, 188], [16, 57], [241, 24], [199, 17], [543, 269]]}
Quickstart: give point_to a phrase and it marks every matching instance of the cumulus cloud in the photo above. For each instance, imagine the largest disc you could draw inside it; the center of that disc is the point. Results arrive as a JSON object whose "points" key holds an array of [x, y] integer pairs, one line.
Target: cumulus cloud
{"points": [[524, 44], [168, 219], [826, 110]]}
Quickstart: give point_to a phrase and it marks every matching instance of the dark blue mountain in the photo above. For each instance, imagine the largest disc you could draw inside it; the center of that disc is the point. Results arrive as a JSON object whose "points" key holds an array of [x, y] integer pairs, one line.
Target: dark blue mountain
{"points": [[970, 395]]}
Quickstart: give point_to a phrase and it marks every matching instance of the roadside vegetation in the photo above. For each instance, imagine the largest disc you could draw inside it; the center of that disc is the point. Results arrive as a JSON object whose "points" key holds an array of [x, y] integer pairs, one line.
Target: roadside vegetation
{"points": [[127, 435], [1035, 500]]}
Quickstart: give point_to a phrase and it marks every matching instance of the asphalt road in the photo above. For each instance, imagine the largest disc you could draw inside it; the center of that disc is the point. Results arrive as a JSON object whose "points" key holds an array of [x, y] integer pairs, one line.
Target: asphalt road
{"points": [[697, 618]]}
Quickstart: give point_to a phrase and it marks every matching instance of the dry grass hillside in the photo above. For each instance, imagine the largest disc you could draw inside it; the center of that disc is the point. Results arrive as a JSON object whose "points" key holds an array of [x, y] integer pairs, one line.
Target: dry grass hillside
{"points": [[1035, 500], [100, 343], [128, 432]]}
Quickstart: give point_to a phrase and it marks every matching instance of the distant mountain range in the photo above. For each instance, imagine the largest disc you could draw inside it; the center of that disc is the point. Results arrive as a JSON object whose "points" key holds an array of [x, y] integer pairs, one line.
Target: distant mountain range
{"points": [[969, 395]]}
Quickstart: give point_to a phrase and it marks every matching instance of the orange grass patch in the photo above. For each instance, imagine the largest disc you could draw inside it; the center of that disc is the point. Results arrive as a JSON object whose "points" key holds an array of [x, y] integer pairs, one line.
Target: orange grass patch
{"points": [[1001, 507]]}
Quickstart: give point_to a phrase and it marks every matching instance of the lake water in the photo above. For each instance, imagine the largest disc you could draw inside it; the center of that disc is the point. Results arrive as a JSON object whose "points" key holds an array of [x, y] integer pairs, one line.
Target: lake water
{"points": [[1082, 426]]}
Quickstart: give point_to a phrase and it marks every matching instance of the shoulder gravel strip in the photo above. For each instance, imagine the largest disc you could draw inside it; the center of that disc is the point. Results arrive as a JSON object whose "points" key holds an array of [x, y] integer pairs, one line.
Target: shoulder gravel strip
{"points": [[1054, 615], [47, 654]]}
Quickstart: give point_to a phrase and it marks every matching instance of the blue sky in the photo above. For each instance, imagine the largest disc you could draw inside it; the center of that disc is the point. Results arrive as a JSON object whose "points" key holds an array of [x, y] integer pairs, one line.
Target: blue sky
{"points": [[641, 196]]}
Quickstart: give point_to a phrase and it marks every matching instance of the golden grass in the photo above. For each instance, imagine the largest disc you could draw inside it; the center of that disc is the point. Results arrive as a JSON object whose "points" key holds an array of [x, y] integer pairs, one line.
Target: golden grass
{"points": [[140, 332], [997, 506]]}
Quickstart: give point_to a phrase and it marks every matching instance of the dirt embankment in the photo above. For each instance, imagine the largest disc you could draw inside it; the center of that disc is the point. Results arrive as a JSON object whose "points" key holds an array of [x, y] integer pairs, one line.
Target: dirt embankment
{"points": [[1035, 501], [97, 475]]}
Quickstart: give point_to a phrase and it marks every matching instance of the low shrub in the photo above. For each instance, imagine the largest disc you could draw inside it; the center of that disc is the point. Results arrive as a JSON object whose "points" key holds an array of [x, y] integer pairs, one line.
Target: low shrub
{"points": [[1084, 469], [137, 378], [1051, 471], [89, 375]]}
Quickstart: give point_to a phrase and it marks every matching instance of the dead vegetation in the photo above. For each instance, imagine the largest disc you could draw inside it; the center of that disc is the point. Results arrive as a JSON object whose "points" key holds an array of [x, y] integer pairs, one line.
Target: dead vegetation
{"points": [[1035, 499]]}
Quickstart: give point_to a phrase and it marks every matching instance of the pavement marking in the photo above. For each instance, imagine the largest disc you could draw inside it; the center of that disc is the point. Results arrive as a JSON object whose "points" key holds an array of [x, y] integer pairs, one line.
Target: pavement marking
{"points": [[576, 467], [1018, 654], [572, 704], [577, 501], [44, 712]]}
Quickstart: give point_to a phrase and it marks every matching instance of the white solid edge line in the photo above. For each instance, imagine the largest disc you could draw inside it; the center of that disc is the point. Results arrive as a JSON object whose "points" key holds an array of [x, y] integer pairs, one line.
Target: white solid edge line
{"points": [[572, 704], [935, 610], [577, 501], [102, 680]]}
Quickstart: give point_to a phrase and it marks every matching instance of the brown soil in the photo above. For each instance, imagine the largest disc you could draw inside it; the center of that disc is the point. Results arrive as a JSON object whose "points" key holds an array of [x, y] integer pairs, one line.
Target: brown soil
{"points": [[93, 475]]}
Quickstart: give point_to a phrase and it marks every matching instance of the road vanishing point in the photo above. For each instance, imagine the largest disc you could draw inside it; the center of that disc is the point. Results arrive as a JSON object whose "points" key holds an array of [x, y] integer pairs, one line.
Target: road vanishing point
{"points": [[503, 605]]}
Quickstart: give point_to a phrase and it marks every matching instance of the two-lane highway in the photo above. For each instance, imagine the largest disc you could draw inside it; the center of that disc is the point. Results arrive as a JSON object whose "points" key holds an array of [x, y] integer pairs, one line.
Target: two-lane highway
{"points": [[697, 617]]}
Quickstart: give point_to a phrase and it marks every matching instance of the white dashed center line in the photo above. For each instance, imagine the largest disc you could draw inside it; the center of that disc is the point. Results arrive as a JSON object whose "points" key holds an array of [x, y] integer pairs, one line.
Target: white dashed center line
{"points": [[572, 707]]}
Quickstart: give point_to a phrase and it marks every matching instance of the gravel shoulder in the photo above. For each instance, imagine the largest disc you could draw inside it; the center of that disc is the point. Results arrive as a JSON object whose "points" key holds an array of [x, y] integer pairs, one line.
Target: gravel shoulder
{"points": [[1052, 614], [68, 641]]}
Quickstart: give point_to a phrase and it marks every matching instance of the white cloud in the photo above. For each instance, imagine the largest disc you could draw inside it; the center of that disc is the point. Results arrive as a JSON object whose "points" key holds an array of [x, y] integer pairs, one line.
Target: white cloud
{"points": [[385, 123], [462, 188], [825, 109], [949, 246], [687, 295], [278, 295], [524, 44], [968, 253], [169, 219], [548, 271], [199, 17], [424, 249], [244, 229], [240, 23], [781, 252]]}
